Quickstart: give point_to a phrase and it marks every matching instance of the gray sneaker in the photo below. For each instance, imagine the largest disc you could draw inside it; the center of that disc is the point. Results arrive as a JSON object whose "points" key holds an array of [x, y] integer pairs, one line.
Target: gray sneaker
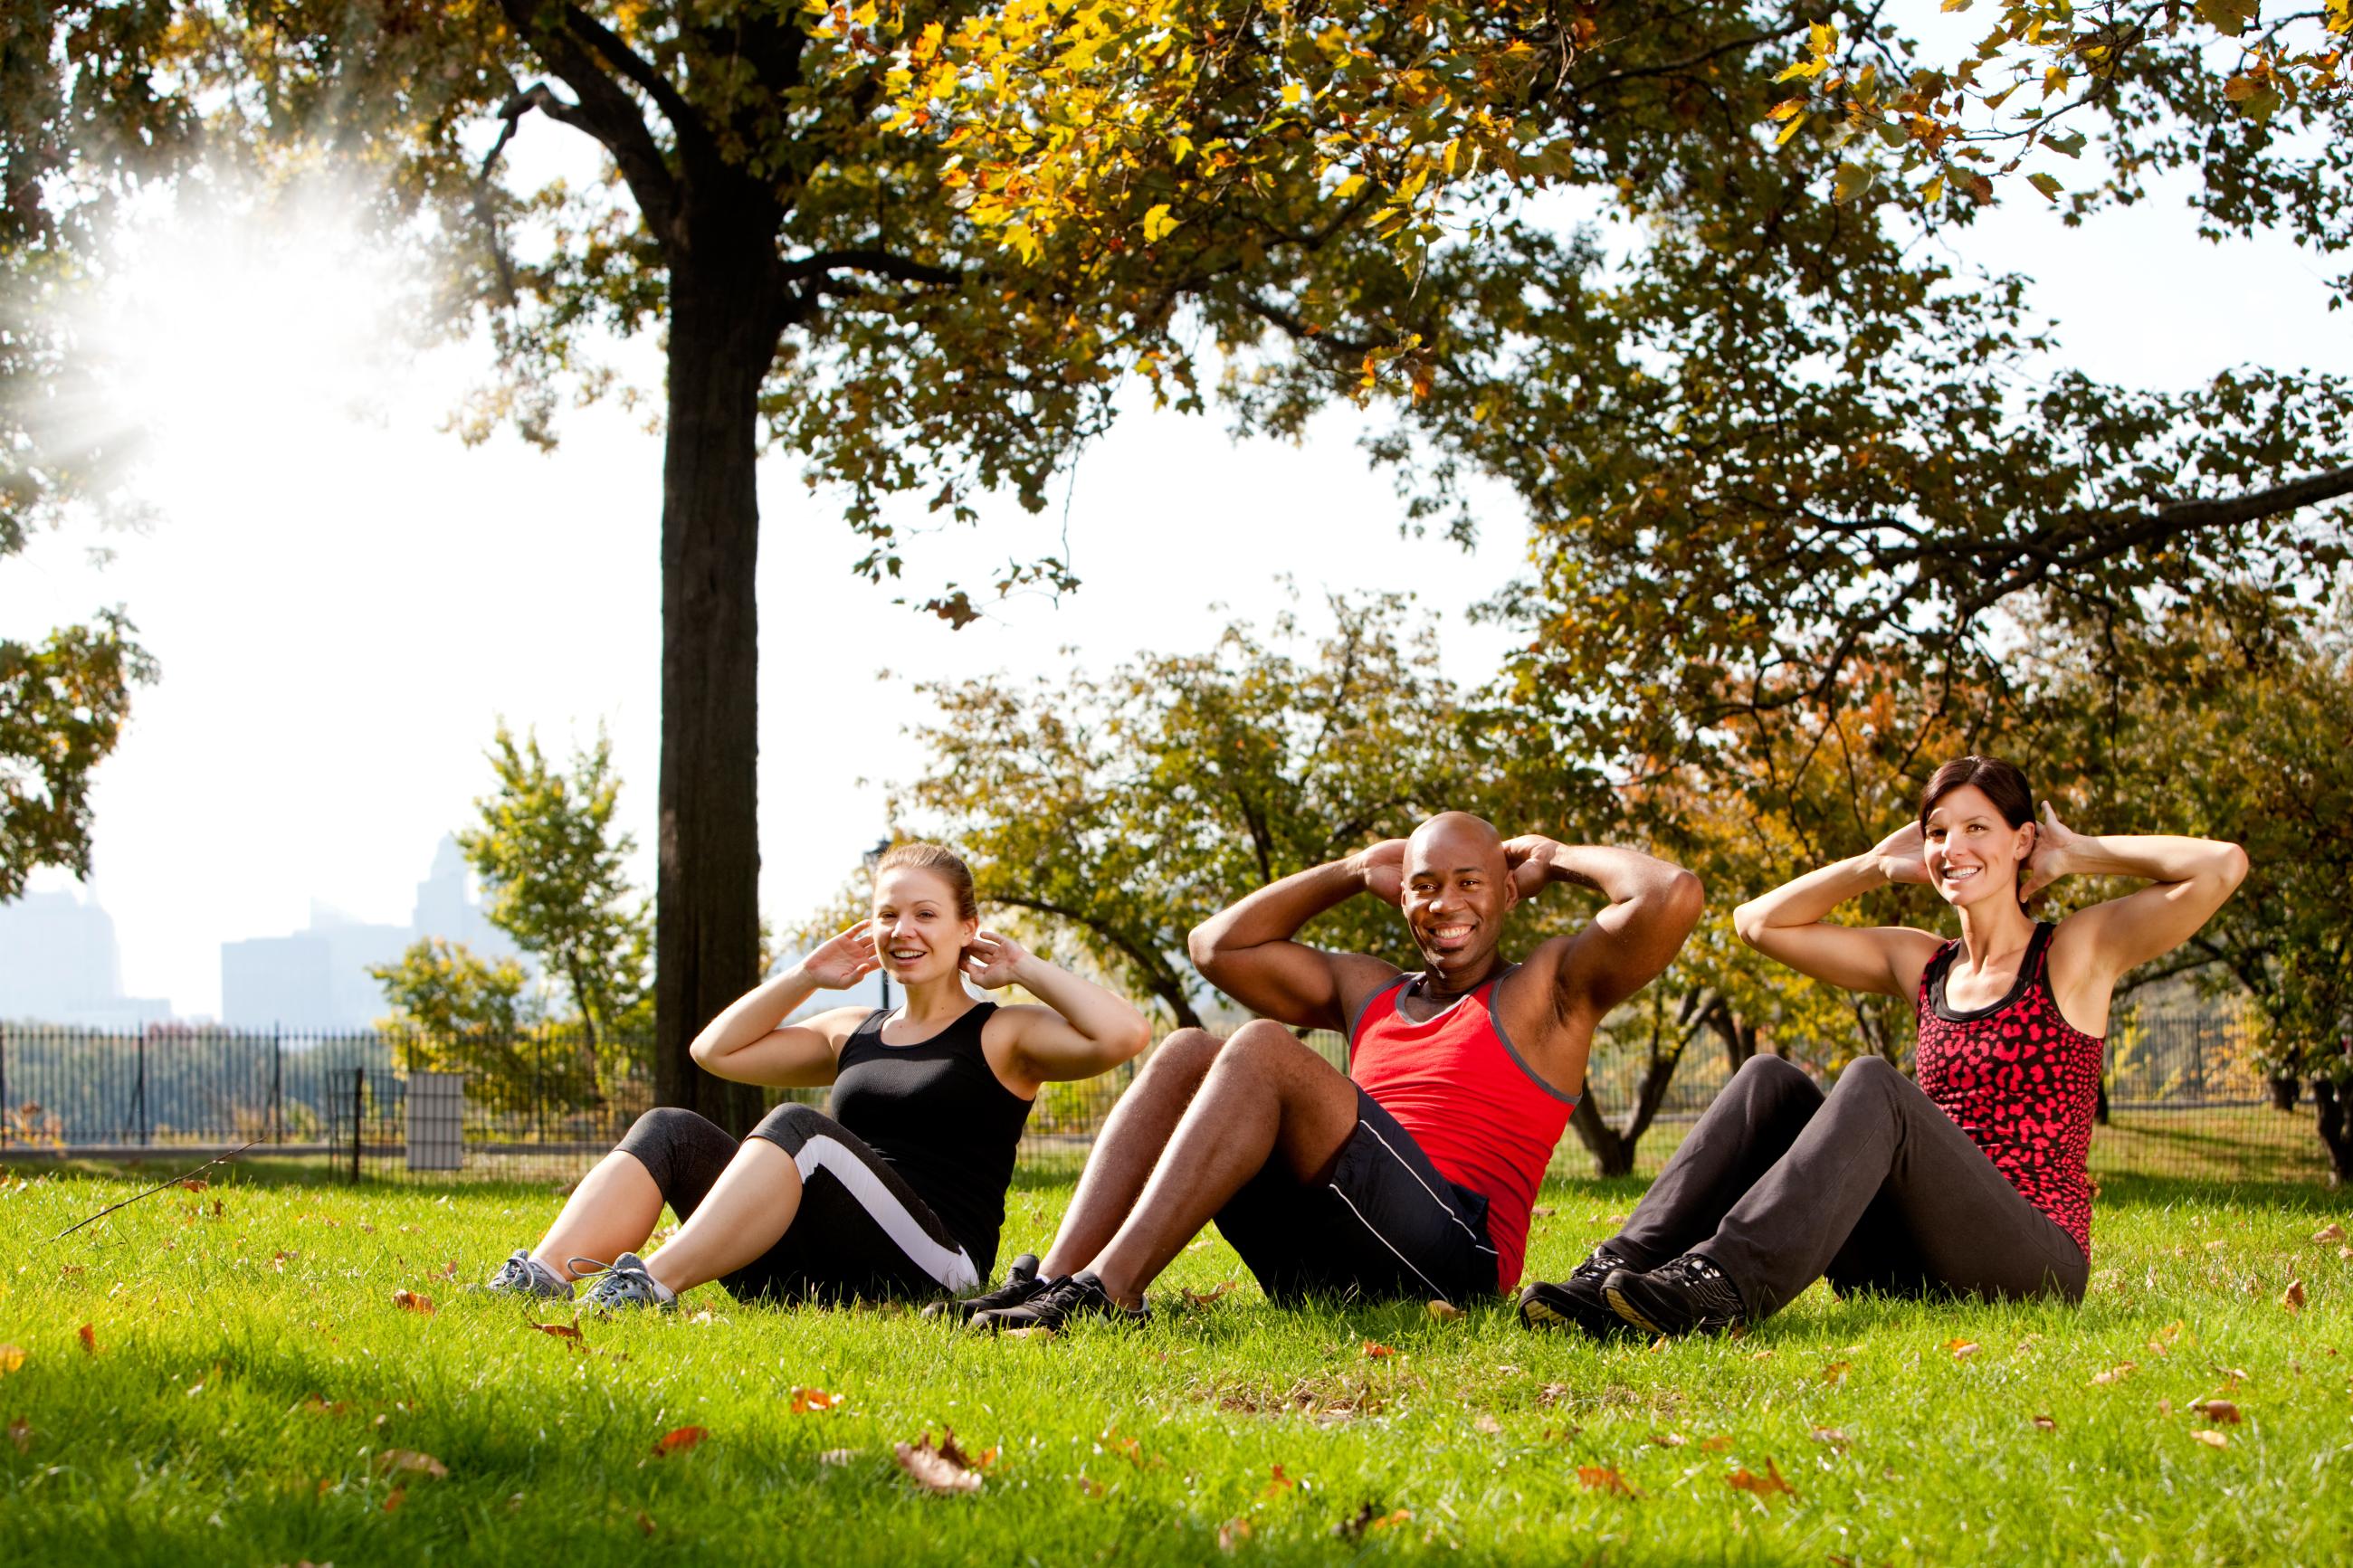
{"points": [[524, 1275], [624, 1282]]}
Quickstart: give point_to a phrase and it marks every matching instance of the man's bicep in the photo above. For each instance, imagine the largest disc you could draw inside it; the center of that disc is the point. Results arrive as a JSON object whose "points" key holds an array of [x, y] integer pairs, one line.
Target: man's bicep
{"points": [[1286, 981]]}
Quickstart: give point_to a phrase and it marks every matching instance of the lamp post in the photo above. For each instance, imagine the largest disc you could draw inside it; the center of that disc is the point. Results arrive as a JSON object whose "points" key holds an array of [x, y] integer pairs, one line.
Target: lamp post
{"points": [[874, 859]]}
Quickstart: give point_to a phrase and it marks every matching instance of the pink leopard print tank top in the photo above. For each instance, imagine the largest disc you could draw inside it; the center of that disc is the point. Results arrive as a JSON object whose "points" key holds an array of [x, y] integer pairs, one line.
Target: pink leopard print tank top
{"points": [[2020, 1080]]}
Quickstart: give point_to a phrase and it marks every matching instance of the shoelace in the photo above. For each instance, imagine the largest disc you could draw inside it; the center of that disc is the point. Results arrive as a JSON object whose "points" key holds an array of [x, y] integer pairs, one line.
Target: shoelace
{"points": [[1598, 1266], [1690, 1267], [595, 1266]]}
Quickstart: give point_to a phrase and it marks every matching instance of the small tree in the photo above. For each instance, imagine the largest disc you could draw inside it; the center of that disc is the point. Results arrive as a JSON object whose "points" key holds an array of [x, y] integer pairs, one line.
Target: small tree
{"points": [[453, 1011], [554, 869]]}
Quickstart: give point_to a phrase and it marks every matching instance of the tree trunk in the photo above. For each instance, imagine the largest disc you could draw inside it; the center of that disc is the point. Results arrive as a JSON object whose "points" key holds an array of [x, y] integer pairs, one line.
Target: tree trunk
{"points": [[1612, 1155], [2284, 1091], [2333, 1135], [2100, 1108], [725, 320]]}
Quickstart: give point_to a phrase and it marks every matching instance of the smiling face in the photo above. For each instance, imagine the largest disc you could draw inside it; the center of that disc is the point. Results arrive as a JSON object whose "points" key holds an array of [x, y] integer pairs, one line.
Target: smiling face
{"points": [[917, 933], [1457, 892], [1971, 850]]}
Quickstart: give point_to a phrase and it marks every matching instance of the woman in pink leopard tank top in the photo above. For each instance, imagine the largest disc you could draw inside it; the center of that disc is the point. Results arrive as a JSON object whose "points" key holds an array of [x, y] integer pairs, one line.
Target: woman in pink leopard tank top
{"points": [[1968, 1181]]}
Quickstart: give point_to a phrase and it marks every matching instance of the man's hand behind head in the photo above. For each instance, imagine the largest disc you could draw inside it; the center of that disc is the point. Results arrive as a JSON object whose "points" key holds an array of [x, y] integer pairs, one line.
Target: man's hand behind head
{"points": [[1530, 858], [1382, 867]]}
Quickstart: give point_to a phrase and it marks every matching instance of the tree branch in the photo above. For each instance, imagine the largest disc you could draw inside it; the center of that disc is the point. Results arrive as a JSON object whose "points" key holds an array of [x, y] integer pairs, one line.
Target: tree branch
{"points": [[879, 262], [604, 112]]}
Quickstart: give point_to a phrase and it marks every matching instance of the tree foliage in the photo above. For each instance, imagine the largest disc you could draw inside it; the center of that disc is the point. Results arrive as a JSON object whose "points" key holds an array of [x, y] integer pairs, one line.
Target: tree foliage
{"points": [[1123, 809], [556, 877]]}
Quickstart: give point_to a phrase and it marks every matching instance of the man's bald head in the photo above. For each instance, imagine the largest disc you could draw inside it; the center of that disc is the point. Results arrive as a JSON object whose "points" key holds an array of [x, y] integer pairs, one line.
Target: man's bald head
{"points": [[1461, 834]]}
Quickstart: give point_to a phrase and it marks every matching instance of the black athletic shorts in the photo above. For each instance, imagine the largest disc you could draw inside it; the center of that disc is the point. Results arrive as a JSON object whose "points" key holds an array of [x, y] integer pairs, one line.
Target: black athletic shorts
{"points": [[861, 1232], [1385, 1225]]}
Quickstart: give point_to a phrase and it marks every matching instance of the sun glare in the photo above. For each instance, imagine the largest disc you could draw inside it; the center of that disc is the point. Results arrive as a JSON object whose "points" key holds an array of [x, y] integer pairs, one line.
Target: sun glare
{"points": [[227, 333]]}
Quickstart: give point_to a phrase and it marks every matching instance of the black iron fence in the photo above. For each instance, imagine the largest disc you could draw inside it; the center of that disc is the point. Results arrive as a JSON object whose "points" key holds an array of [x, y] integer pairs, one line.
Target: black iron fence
{"points": [[2184, 1095]]}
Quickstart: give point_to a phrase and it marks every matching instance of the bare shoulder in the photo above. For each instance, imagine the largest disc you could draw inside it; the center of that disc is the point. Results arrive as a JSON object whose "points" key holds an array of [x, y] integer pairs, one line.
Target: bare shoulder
{"points": [[1012, 1022], [1357, 978], [836, 1024]]}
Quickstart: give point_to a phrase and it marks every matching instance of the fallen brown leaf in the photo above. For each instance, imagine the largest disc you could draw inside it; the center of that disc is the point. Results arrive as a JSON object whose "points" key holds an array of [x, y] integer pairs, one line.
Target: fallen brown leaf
{"points": [[2332, 1231], [561, 1331], [1375, 1349], [193, 1183], [1761, 1355], [1445, 1311], [20, 1432], [1541, 1210], [2210, 1439], [645, 1522], [447, 1271], [89, 1337], [940, 1467], [1197, 1299], [314, 1404], [2122, 1370], [1088, 1486], [2222, 1412], [1277, 1483], [406, 1461], [410, 1302], [1232, 1534], [11, 1358], [1764, 1486], [679, 1439], [2045, 1424], [1962, 1349], [1602, 1479], [1488, 1423], [1669, 1439], [2292, 1297], [1830, 1435], [394, 1498], [808, 1400], [1716, 1445], [1836, 1372]]}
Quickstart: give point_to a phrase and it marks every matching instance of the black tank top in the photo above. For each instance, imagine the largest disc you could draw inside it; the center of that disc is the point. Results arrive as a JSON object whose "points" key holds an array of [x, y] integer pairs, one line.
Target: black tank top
{"points": [[943, 1118]]}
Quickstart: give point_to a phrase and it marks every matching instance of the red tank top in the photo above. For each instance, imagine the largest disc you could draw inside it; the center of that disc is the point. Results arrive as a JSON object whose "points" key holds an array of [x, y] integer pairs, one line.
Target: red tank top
{"points": [[2020, 1080], [1458, 1087]]}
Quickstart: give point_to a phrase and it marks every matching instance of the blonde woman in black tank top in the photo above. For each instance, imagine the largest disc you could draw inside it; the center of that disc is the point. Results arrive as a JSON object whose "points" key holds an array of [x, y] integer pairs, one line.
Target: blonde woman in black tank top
{"points": [[901, 1192]]}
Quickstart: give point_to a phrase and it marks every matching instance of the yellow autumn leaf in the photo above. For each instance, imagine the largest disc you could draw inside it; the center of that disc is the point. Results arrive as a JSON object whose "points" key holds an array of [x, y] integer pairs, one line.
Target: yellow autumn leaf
{"points": [[1157, 224], [1792, 130]]}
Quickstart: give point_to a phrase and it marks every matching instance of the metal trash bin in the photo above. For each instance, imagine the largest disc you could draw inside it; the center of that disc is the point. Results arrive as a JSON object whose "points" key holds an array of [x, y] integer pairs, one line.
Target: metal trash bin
{"points": [[437, 1120]]}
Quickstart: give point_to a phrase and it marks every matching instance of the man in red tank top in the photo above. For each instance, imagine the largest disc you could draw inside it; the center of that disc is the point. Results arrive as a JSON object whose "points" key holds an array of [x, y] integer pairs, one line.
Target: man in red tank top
{"points": [[1412, 1174]]}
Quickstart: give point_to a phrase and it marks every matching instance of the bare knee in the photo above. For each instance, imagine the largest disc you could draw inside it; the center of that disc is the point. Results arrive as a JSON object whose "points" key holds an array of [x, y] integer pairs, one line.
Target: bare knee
{"points": [[1184, 1059]]}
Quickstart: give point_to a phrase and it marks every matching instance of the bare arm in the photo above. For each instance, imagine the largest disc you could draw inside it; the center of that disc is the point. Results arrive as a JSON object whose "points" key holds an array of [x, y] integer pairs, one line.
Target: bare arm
{"points": [[1653, 904], [749, 1043], [1787, 923], [1247, 952], [2190, 878], [1081, 1030]]}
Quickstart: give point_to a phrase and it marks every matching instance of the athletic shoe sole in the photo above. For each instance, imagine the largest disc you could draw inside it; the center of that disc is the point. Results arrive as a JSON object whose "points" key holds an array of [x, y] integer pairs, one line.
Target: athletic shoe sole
{"points": [[1628, 1310]]}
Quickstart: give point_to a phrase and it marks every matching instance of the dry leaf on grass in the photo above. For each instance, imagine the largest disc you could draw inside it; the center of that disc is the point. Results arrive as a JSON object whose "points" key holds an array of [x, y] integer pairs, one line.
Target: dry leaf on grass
{"points": [[193, 1183], [1669, 1439], [1962, 1349], [1277, 1483], [808, 1401], [1830, 1435], [1602, 1479], [679, 1439], [1836, 1372], [2292, 1297], [1197, 1299], [1375, 1349], [20, 1432], [2210, 1439], [2222, 1412], [87, 1335], [645, 1522], [2332, 1231], [2044, 1423], [1232, 1534], [1488, 1423], [409, 1462], [1716, 1445], [314, 1405], [447, 1271], [1766, 1486], [394, 1498], [11, 1358], [2116, 1374], [561, 1331], [1088, 1486], [940, 1469], [410, 1302], [1445, 1311]]}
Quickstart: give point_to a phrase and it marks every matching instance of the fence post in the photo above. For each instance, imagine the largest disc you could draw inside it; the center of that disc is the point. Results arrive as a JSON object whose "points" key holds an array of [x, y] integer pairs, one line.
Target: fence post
{"points": [[359, 1111], [276, 1086], [4, 1087], [139, 1097]]}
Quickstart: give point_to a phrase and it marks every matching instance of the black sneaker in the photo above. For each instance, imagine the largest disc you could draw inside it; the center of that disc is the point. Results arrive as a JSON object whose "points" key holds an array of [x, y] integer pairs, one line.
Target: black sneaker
{"points": [[1577, 1301], [1682, 1296], [1054, 1305], [1021, 1282]]}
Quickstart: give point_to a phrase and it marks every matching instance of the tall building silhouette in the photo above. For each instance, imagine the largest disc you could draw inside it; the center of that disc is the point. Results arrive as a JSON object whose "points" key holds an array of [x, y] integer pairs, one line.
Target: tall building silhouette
{"points": [[60, 964]]}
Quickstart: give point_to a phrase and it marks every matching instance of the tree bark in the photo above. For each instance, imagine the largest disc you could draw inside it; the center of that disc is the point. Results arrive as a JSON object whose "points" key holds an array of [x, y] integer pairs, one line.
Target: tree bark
{"points": [[2334, 1136], [2284, 1088], [724, 322]]}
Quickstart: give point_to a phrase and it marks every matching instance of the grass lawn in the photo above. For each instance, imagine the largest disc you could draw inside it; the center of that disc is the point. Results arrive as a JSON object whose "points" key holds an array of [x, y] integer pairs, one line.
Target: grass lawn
{"points": [[245, 1379]]}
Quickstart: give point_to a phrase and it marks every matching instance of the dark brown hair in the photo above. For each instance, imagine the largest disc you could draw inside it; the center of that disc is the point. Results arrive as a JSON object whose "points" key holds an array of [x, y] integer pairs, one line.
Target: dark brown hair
{"points": [[942, 862], [2003, 784]]}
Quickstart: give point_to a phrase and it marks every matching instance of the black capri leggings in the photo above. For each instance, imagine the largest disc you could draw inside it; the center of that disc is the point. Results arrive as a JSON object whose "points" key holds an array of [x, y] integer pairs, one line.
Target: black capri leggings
{"points": [[861, 1232], [1873, 1186]]}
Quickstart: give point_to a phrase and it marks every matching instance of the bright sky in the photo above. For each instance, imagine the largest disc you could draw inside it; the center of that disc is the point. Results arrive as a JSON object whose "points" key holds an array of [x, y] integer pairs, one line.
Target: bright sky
{"points": [[344, 599]]}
